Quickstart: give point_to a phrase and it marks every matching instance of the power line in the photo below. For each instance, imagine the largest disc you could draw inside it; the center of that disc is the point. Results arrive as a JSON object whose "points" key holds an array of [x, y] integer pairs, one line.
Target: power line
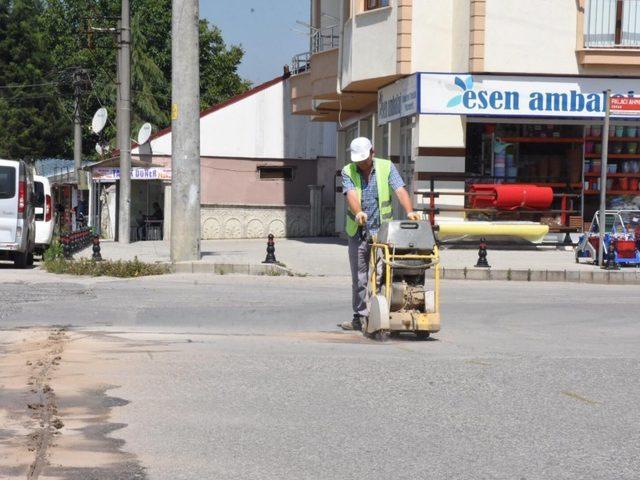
{"points": [[21, 98], [32, 85]]}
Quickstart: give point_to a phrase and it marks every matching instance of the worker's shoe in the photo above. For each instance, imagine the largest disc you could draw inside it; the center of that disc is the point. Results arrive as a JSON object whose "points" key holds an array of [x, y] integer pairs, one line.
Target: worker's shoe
{"points": [[355, 324]]}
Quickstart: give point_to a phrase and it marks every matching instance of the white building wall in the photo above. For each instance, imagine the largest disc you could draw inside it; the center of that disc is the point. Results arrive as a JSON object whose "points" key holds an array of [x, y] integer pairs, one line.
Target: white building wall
{"points": [[330, 13], [259, 126], [531, 37], [432, 37], [365, 53], [460, 24]]}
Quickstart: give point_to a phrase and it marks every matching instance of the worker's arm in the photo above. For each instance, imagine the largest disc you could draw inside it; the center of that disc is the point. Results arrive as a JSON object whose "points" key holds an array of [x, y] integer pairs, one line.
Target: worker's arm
{"points": [[353, 202], [397, 185], [354, 205], [405, 201]]}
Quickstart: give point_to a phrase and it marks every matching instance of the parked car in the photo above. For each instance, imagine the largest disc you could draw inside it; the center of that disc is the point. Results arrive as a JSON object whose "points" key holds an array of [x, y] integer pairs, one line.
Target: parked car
{"points": [[45, 221], [17, 214]]}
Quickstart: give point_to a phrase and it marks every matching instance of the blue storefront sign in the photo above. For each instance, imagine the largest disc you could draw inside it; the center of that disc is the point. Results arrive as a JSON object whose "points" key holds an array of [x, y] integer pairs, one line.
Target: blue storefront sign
{"points": [[514, 96]]}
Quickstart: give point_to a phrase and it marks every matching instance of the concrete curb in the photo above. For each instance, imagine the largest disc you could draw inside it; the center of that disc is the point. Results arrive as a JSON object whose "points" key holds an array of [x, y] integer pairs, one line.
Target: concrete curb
{"points": [[619, 277], [232, 268], [601, 277]]}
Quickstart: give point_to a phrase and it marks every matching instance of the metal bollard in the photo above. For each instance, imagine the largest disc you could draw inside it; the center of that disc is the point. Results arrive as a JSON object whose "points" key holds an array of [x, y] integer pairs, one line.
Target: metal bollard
{"points": [[96, 249], [66, 247], [610, 263], [482, 255], [271, 250]]}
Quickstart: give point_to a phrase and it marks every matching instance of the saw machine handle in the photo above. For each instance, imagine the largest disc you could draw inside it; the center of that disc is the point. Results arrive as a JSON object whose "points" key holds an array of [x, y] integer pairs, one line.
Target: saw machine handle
{"points": [[411, 267]]}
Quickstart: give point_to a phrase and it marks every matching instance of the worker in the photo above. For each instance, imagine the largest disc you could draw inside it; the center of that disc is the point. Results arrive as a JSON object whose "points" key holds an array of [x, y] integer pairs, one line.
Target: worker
{"points": [[367, 184]]}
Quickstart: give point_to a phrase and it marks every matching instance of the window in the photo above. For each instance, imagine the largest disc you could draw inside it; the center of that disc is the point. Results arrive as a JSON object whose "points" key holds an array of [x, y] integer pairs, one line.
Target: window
{"points": [[275, 173], [39, 195], [612, 23], [373, 4], [386, 152], [7, 182]]}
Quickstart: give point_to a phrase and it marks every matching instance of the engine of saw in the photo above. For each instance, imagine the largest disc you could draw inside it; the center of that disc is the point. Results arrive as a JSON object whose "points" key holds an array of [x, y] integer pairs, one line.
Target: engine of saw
{"points": [[402, 297]]}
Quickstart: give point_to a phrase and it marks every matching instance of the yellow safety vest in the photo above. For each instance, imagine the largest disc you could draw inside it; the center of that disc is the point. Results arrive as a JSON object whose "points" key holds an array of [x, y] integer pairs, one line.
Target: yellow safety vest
{"points": [[383, 170]]}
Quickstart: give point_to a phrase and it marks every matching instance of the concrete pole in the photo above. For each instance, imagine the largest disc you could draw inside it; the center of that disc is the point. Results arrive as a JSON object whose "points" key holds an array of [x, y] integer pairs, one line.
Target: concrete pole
{"points": [[77, 127], [185, 133], [603, 178], [118, 68], [315, 210], [124, 117]]}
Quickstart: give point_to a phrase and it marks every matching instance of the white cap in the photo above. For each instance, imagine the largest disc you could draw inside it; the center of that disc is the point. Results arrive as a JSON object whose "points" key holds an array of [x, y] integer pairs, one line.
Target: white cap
{"points": [[360, 149]]}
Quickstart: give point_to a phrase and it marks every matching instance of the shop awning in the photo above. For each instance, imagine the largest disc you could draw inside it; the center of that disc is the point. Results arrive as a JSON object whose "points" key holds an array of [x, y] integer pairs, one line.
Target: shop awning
{"points": [[115, 163]]}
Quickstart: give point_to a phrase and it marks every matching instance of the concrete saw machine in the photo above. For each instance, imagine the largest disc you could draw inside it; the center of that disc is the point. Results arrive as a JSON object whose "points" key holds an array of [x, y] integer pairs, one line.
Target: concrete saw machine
{"points": [[402, 296]]}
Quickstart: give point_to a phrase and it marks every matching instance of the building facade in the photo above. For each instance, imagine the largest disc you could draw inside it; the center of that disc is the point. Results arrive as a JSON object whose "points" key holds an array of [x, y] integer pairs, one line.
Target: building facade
{"points": [[459, 92], [263, 170]]}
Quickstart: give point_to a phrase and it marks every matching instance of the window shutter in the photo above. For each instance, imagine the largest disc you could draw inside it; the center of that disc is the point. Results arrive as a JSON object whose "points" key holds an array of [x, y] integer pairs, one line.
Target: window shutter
{"points": [[600, 23], [631, 23]]}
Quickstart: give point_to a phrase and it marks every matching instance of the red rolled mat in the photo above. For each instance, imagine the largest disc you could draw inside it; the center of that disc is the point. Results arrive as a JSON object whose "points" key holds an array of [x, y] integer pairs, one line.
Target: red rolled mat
{"points": [[511, 196]]}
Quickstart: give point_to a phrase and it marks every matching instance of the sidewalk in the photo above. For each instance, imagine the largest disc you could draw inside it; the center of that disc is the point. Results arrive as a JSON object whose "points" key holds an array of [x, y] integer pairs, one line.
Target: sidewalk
{"points": [[328, 257]]}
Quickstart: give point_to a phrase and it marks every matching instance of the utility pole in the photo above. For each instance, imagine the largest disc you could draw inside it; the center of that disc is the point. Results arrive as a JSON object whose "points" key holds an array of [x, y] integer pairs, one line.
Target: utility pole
{"points": [[77, 126], [118, 82], [79, 84], [603, 177], [185, 123], [124, 125]]}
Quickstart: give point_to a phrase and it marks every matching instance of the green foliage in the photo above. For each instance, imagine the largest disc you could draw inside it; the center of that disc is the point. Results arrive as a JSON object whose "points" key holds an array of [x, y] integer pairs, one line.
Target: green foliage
{"points": [[31, 120], [43, 41], [121, 269], [53, 252]]}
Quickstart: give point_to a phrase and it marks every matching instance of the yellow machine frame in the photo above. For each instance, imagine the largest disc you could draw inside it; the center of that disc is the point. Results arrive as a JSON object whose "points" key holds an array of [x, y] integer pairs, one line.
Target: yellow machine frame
{"points": [[406, 321]]}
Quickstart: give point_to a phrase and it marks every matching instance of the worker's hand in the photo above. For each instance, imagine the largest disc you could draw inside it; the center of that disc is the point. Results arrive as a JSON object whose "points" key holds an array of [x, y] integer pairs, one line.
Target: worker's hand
{"points": [[414, 216], [361, 218]]}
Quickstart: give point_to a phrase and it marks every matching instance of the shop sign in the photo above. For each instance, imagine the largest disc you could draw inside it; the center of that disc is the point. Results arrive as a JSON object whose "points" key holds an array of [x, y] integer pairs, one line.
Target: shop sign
{"points": [[625, 106], [111, 174], [398, 100], [491, 95]]}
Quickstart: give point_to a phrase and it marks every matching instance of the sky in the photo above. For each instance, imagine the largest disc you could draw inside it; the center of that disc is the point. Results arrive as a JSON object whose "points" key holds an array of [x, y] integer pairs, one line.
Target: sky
{"points": [[264, 28]]}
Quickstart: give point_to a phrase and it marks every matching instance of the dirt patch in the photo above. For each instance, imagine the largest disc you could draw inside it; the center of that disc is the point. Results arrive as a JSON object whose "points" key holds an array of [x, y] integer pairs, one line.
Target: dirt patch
{"points": [[55, 413], [332, 337]]}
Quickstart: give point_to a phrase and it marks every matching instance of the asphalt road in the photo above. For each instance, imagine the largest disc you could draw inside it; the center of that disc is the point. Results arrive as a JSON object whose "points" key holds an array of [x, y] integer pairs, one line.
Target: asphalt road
{"points": [[247, 377]]}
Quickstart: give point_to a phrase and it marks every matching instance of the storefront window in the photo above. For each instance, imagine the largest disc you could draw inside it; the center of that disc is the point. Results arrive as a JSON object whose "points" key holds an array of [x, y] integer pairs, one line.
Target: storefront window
{"points": [[542, 154], [546, 155], [567, 158], [623, 171]]}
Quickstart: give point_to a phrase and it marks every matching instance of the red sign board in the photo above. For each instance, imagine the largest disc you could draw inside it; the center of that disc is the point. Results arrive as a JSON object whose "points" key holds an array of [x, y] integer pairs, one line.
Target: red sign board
{"points": [[625, 105]]}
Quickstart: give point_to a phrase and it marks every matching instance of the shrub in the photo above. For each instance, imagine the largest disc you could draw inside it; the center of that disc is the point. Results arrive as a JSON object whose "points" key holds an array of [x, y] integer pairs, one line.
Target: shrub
{"points": [[53, 251], [106, 268]]}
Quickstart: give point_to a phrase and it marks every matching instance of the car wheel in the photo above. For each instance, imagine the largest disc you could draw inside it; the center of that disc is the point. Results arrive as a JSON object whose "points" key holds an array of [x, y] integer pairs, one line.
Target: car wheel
{"points": [[30, 259], [20, 260]]}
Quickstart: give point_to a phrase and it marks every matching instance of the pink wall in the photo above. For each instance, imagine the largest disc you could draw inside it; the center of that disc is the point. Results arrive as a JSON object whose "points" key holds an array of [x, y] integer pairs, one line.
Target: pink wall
{"points": [[236, 181]]}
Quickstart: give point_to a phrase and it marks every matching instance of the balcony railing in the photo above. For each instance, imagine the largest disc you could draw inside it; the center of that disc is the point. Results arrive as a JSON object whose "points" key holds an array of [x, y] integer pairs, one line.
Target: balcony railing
{"points": [[324, 39], [612, 24], [300, 63], [321, 40]]}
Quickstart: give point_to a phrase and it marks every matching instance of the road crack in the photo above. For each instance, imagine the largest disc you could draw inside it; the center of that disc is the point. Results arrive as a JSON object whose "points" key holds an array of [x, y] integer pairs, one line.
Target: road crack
{"points": [[43, 409]]}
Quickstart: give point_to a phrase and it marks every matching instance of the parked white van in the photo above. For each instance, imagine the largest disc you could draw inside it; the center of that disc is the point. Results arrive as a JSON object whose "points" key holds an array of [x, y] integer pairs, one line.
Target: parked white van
{"points": [[17, 214], [44, 213]]}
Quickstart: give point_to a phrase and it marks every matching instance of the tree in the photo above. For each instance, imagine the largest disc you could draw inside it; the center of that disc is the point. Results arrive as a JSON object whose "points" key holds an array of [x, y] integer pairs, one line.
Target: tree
{"points": [[53, 41], [31, 117]]}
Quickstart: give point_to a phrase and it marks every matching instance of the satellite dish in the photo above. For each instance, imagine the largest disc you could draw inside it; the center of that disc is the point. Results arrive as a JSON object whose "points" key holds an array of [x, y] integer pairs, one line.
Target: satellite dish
{"points": [[144, 133], [101, 149], [99, 120]]}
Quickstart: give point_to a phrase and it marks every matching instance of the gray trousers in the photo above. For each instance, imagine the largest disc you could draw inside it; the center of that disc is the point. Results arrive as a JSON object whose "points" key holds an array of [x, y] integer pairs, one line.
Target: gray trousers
{"points": [[359, 252]]}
